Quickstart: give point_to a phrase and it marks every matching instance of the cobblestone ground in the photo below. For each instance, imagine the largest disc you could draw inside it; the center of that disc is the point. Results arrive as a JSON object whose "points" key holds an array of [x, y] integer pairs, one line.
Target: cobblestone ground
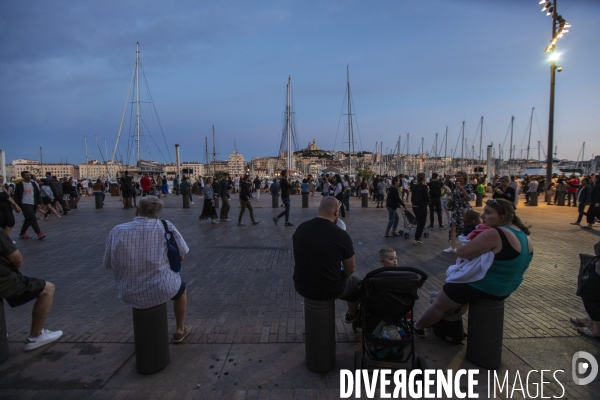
{"points": [[239, 279]]}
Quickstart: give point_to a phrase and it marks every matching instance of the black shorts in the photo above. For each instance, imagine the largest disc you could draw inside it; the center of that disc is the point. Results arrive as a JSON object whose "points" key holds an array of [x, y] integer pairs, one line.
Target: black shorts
{"points": [[7, 218], [126, 194], [463, 293], [27, 289], [46, 200], [352, 289], [589, 295], [180, 291]]}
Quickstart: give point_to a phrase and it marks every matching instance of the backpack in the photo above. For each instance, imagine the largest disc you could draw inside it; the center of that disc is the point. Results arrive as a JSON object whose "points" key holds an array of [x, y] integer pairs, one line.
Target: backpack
{"points": [[451, 331]]}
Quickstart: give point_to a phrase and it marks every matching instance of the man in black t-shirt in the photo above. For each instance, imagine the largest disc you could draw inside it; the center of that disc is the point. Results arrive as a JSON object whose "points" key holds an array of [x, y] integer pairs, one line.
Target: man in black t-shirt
{"points": [[435, 196], [285, 187], [126, 189], [324, 259]]}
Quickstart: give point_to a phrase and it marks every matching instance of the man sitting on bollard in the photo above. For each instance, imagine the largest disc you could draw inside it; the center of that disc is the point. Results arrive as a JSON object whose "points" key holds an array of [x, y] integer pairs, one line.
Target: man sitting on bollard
{"points": [[325, 272], [136, 252], [17, 290]]}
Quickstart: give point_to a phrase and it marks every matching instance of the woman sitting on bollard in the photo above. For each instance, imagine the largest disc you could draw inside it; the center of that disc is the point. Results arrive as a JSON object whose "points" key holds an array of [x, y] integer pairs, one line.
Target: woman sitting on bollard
{"points": [[513, 252], [99, 188], [590, 325]]}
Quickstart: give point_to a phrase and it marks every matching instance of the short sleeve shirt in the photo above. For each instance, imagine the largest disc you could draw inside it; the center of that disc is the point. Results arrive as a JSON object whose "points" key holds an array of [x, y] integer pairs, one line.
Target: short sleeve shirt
{"points": [[319, 248], [9, 280]]}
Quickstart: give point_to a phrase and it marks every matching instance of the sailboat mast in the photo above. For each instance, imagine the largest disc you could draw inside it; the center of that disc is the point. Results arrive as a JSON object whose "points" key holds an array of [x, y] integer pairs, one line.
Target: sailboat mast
{"points": [[206, 154], [289, 123], [214, 150], [510, 151], [350, 135], [137, 90], [481, 140], [398, 155], [445, 149], [462, 146], [86, 152], [529, 140]]}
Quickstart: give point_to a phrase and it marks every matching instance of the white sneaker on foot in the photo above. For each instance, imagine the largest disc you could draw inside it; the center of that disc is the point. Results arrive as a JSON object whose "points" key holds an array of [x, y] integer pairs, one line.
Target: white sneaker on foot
{"points": [[45, 338], [450, 250]]}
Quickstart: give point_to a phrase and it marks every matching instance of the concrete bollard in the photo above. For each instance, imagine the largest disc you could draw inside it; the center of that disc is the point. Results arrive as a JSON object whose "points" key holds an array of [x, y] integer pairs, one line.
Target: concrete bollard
{"points": [[305, 200], [275, 200], [99, 203], [151, 334], [3, 337], [486, 328], [533, 199], [365, 199], [319, 335], [561, 198], [479, 200], [186, 200]]}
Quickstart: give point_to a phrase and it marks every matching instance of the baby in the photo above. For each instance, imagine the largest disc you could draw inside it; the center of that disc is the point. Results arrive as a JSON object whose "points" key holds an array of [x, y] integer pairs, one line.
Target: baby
{"points": [[470, 221], [387, 257]]}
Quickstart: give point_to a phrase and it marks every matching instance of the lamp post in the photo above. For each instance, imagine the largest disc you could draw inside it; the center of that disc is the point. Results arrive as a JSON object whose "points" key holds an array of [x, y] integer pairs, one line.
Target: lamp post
{"points": [[559, 27]]}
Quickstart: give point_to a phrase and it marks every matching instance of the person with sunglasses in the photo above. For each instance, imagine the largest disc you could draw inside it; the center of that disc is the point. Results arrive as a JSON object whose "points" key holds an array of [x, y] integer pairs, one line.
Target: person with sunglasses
{"points": [[508, 240]]}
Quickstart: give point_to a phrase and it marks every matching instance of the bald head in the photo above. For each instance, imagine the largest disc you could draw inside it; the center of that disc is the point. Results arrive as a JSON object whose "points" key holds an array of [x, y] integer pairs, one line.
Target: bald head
{"points": [[328, 208]]}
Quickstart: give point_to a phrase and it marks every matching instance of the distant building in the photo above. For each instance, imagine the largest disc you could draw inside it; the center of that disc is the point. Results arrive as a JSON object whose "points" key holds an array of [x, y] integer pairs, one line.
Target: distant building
{"points": [[192, 168], [38, 169], [236, 164], [94, 169]]}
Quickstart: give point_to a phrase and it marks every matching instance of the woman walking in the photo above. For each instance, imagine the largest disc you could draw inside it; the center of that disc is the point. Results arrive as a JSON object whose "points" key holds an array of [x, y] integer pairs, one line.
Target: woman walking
{"points": [[347, 192], [48, 199], [208, 211], [462, 195], [338, 193]]}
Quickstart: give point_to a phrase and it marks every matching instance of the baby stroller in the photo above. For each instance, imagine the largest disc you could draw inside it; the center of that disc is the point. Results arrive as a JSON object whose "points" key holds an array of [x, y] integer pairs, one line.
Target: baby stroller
{"points": [[386, 307], [410, 223]]}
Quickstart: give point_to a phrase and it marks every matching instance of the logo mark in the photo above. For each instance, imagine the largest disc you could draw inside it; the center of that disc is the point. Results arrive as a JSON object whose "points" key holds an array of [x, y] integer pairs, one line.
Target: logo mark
{"points": [[580, 367]]}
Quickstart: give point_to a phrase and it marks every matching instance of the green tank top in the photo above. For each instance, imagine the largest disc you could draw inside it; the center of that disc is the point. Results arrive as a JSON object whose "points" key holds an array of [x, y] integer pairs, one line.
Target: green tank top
{"points": [[504, 277]]}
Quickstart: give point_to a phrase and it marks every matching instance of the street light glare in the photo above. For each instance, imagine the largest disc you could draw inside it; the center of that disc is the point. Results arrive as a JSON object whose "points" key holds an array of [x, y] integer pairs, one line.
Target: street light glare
{"points": [[554, 56]]}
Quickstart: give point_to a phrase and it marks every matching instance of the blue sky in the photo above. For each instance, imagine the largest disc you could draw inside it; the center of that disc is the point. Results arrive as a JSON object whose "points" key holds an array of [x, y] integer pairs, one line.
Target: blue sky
{"points": [[415, 67]]}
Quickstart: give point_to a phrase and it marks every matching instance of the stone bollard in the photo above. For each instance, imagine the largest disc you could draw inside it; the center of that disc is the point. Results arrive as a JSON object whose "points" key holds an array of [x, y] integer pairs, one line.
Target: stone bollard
{"points": [[305, 200], [486, 328], [275, 200], [151, 334], [186, 200], [365, 199], [479, 200], [99, 203], [3, 337], [533, 199], [561, 198], [319, 335]]}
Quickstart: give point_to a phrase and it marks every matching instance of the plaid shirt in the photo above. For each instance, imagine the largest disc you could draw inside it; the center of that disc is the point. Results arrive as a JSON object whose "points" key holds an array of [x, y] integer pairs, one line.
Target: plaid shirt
{"points": [[136, 252]]}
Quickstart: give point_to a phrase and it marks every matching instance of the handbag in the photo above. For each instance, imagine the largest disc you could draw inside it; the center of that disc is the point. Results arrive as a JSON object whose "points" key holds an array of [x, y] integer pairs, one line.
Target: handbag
{"points": [[449, 205], [587, 267], [172, 249]]}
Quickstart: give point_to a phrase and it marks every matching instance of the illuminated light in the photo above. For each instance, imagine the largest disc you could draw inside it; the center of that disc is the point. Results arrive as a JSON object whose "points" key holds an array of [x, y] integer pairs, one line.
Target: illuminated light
{"points": [[554, 56], [567, 25], [564, 30], [560, 35], [542, 1], [548, 48]]}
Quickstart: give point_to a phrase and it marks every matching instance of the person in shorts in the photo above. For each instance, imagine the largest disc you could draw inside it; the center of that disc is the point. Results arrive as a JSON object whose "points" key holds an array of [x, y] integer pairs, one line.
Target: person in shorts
{"points": [[18, 289], [326, 271], [126, 190]]}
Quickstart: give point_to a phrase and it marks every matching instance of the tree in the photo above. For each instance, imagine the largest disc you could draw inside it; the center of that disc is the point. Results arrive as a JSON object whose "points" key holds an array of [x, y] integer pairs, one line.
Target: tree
{"points": [[365, 172]]}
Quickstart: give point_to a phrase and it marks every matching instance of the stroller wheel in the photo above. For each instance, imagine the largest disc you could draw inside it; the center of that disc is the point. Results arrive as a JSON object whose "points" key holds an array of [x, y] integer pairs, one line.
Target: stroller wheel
{"points": [[426, 234], [407, 235], [357, 360]]}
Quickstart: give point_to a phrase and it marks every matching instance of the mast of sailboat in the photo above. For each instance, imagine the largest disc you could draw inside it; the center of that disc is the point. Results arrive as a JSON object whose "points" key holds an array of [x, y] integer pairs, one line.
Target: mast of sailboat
{"points": [[123, 116], [408, 151], [137, 95], [480, 141], [529, 140], [445, 149], [462, 145], [510, 151], [350, 132], [583, 155], [206, 154], [398, 155], [288, 110], [86, 152], [214, 150]]}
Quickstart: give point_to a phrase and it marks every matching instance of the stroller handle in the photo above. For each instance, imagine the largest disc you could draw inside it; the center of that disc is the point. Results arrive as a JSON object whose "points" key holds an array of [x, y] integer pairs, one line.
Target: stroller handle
{"points": [[423, 275]]}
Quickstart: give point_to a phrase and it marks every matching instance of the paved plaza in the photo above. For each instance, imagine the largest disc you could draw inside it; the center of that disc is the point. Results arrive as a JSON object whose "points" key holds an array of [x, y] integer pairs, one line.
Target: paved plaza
{"points": [[247, 321]]}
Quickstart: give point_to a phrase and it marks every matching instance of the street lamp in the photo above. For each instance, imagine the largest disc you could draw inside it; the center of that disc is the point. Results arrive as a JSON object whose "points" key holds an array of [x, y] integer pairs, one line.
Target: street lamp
{"points": [[559, 28]]}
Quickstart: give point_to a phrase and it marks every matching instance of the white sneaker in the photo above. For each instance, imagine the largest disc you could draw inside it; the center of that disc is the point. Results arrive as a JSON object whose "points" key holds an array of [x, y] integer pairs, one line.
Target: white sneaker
{"points": [[191, 202], [45, 338], [450, 250]]}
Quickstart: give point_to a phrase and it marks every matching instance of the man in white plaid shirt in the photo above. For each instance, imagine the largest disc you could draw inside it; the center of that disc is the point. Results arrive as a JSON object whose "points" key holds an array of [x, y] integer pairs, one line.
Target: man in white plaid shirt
{"points": [[136, 252]]}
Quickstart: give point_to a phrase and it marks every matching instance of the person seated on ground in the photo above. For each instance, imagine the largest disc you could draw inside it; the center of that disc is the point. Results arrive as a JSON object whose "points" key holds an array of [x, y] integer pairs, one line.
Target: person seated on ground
{"points": [[98, 189], [17, 290], [136, 252], [317, 273], [513, 252], [590, 325], [387, 257]]}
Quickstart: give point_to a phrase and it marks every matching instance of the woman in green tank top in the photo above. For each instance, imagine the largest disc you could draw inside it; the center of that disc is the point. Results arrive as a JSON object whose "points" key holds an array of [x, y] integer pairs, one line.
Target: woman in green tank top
{"points": [[513, 252]]}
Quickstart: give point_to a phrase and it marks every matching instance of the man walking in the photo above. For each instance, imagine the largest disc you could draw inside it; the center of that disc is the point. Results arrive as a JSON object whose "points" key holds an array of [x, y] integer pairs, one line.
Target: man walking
{"points": [[224, 191], [245, 199], [285, 187], [17, 290], [256, 183], [435, 196], [29, 198]]}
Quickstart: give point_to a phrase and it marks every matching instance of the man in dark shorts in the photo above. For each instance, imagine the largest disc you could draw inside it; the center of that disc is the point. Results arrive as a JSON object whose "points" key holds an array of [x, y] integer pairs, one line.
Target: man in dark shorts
{"points": [[126, 190], [324, 260], [17, 290]]}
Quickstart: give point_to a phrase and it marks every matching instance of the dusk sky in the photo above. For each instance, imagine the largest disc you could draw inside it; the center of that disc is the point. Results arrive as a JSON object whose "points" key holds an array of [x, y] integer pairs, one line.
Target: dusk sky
{"points": [[415, 67]]}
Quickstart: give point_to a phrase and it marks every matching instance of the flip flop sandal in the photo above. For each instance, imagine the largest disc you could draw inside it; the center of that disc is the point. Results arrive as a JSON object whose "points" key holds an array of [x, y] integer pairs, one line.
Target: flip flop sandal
{"points": [[587, 332], [576, 322]]}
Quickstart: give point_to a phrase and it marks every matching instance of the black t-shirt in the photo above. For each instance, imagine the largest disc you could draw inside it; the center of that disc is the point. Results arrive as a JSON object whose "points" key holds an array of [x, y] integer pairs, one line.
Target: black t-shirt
{"points": [[435, 189], [9, 280], [126, 183], [285, 188], [319, 248]]}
